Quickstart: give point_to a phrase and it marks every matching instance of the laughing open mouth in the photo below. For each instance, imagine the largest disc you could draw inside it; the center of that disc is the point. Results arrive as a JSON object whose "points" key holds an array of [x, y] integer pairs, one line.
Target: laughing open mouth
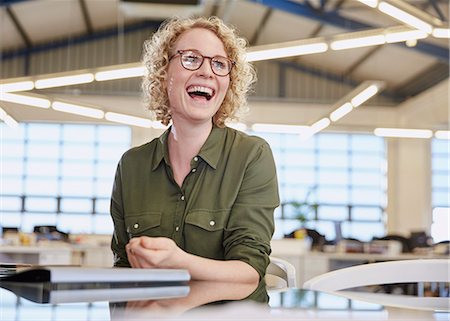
{"points": [[200, 91]]}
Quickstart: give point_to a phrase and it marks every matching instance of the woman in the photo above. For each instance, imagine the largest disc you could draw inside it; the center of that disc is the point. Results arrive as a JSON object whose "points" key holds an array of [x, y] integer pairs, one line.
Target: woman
{"points": [[200, 197]]}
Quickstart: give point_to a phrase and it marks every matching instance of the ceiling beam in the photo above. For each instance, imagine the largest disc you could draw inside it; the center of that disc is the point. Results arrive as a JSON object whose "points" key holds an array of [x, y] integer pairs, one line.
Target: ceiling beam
{"points": [[19, 27], [80, 39], [86, 17], [335, 19]]}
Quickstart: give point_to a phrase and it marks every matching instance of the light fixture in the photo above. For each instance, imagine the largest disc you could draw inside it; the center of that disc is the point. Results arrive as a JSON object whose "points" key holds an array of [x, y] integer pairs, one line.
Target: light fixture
{"points": [[120, 73], [8, 120], [400, 36], [277, 128], [364, 95], [442, 134], [77, 109], [441, 32], [370, 3], [60, 81], [404, 17], [341, 111], [17, 86], [25, 100], [287, 49], [373, 40], [128, 119], [403, 133], [320, 125]]}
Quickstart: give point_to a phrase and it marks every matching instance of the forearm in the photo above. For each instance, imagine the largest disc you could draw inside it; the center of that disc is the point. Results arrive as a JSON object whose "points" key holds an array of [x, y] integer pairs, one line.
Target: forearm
{"points": [[215, 270]]}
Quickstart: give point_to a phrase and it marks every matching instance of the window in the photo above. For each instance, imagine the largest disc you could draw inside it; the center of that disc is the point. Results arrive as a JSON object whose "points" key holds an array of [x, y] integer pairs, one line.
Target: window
{"points": [[59, 174], [440, 171], [341, 177]]}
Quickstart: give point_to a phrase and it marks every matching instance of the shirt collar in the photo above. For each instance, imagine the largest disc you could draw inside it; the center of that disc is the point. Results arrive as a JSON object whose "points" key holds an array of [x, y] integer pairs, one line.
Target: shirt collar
{"points": [[210, 151]]}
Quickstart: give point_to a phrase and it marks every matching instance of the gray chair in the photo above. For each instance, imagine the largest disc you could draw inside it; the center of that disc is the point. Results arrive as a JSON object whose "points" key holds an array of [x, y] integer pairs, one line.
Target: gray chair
{"points": [[280, 275]]}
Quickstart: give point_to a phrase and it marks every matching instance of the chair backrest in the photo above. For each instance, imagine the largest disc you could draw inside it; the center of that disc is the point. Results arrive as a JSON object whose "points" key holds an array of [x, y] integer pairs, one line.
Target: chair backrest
{"points": [[280, 274], [407, 271], [404, 271]]}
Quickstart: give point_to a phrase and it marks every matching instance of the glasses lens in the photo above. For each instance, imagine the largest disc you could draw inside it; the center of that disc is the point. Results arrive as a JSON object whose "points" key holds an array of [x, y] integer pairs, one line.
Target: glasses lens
{"points": [[221, 65], [191, 60]]}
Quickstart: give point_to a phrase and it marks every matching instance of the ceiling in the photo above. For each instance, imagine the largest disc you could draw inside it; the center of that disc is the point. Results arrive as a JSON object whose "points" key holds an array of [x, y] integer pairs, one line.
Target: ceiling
{"points": [[28, 27]]}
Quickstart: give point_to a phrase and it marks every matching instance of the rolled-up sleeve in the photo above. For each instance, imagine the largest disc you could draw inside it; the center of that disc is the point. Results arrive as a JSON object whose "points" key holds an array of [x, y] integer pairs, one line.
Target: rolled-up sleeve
{"points": [[120, 236], [251, 223]]}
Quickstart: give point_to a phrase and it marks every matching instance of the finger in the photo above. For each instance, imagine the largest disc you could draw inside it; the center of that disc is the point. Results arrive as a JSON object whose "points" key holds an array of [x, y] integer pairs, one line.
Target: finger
{"points": [[132, 259], [157, 243]]}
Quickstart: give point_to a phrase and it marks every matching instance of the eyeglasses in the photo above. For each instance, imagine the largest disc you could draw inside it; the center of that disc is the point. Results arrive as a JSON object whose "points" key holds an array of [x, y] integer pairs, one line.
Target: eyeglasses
{"points": [[192, 60]]}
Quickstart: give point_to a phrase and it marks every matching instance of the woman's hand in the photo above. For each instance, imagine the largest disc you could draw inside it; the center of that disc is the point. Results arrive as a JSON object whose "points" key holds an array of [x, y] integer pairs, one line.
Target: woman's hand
{"points": [[154, 252]]}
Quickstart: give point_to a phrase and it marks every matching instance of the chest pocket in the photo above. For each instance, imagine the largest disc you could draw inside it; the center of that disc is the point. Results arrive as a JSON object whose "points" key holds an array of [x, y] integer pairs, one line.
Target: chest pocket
{"points": [[203, 232], [143, 224]]}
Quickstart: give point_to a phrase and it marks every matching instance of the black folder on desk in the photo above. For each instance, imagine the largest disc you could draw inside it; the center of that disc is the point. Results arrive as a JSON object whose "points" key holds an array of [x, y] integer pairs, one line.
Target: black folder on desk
{"points": [[97, 275]]}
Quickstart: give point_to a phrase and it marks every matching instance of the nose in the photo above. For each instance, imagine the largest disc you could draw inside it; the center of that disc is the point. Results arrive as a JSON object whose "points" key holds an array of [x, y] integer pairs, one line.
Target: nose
{"points": [[205, 69]]}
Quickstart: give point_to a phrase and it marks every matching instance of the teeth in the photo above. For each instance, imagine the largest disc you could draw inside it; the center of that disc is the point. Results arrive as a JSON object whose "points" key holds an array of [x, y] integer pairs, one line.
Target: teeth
{"points": [[202, 89]]}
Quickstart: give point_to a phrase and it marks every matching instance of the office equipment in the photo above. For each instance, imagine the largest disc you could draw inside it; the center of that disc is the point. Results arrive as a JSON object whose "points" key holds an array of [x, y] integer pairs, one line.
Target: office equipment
{"points": [[83, 274], [56, 293]]}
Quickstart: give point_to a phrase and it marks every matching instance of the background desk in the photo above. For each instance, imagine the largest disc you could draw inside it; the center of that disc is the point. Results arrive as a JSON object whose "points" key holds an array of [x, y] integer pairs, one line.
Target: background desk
{"points": [[309, 264]]}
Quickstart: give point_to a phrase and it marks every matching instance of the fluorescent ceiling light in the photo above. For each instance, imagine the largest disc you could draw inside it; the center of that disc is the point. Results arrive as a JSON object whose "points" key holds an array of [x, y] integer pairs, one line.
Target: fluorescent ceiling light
{"points": [[320, 125], [17, 86], [78, 110], [363, 96], [276, 128], [341, 111], [374, 40], [8, 120], [403, 132], [287, 49], [25, 100], [370, 3], [405, 36], [441, 32], [64, 81], [120, 73], [404, 17], [442, 134], [129, 120]]}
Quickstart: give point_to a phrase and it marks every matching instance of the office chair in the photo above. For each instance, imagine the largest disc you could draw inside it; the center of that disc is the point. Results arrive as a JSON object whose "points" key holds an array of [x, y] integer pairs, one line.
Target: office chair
{"points": [[280, 275], [404, 271]]}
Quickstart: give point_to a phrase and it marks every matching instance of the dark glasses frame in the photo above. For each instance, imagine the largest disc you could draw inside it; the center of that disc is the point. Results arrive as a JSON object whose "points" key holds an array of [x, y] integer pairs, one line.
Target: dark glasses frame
{"points": [[180, 53]]}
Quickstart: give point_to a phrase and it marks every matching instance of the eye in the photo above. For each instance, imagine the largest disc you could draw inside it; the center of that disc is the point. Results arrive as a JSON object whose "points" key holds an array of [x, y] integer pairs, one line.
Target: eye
{"points": [[220, 64], [191, 58]]}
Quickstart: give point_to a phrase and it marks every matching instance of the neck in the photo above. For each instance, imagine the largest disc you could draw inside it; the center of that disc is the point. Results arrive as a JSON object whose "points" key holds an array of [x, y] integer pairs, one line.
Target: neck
{"points": [[187, 140]]}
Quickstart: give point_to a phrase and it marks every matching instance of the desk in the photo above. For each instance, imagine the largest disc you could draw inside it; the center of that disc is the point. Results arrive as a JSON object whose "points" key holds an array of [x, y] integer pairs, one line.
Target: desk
{"points": [[42, 255], [201, 301], [58, 254]]}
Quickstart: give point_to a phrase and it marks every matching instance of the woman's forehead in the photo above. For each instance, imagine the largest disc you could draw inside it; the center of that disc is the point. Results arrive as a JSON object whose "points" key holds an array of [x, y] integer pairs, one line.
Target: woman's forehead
{"points": [[201, 39]]}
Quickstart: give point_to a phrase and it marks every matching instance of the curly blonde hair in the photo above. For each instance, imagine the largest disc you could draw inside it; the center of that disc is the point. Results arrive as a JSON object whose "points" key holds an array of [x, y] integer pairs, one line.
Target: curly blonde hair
{"points": [[159, 48]]}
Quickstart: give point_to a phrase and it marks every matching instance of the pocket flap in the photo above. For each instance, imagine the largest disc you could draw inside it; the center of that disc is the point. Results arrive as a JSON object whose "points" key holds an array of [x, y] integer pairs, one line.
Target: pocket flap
{"points": [[208, 220], [138, 223]]}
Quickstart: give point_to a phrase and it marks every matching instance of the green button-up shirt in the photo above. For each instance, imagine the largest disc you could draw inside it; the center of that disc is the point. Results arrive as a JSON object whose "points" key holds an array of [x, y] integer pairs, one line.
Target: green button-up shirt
{"points": [[223, 210]]}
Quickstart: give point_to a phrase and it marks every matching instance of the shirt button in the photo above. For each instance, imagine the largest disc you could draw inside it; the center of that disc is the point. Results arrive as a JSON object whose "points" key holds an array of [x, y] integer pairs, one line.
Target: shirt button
{"points": [[195, 159], [177, 228], [194, 170], [136, 225], [182, 197], [212, 223]]}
